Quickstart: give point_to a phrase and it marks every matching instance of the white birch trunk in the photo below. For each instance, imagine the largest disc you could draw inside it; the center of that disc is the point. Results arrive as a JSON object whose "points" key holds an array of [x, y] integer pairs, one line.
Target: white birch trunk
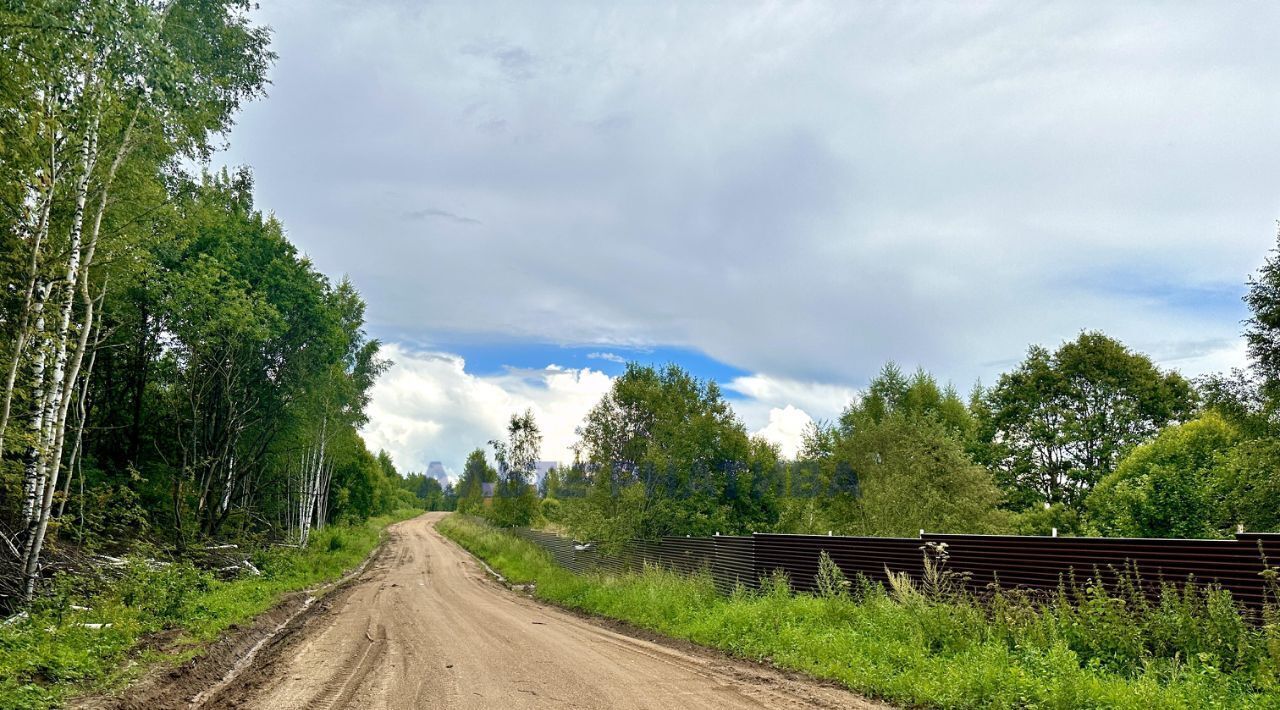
{"points": [[82, 409], [58, 399], [319, 472], [305, 502], [38, 234], [33, 463], [227, 485], [55, 413]]}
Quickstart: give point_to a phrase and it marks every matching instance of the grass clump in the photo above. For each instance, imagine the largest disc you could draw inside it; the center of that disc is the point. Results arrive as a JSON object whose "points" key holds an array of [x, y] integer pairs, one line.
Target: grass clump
{"points": [[50, 655], [929, 643]]}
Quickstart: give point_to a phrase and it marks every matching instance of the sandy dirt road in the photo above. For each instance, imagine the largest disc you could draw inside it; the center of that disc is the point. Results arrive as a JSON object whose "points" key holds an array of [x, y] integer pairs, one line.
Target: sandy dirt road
{"points": [[425, 627]]}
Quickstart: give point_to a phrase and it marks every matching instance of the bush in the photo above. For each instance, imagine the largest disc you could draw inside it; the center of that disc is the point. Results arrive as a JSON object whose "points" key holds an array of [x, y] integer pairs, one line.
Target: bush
{"points": [[111, 513], [161, 593], [551, 510], [1167, 486]]}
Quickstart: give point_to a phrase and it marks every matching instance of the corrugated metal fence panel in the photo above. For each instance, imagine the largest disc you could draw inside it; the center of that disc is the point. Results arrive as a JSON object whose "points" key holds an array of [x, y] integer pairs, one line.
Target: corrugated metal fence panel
{"points": [[645, 553], [689, 555], [734, 563], [561, 548], [1015, 561], [1042, 562], [591, 559], [797, 556]]}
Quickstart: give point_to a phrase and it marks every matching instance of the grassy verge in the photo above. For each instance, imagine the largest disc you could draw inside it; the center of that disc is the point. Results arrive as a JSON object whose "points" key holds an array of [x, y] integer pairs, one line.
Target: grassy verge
{"points": [[51, 656], [904, 647]]}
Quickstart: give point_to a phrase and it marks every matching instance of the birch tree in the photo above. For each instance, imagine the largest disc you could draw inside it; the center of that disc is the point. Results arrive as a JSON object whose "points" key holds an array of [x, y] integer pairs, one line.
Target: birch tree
{"points": [[96, 69]]}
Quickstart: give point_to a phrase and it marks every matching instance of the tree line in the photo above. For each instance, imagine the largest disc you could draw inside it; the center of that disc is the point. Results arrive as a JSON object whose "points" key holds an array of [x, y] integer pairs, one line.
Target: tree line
{"points": [[174, 370], [1090, 438]]}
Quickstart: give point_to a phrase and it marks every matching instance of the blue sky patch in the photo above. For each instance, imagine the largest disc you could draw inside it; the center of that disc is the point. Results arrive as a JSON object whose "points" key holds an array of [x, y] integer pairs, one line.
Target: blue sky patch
{"points": [[494, 357]]}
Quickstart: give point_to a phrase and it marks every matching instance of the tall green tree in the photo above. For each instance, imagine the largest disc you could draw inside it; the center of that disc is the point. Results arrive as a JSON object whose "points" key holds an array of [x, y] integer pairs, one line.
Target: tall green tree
{"points": [[1061, 421], [1248, 488], [667, 456], [515, 502], [894, 464], [97, 93], [475, 474], [919, 395], [913, 473]]}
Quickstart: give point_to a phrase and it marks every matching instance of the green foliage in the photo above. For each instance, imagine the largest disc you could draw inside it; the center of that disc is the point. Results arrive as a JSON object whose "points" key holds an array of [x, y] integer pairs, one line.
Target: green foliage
{"points": [[475, 474], [1248, 487], [670, 446], [1238, 397], [226, 357], [104, 105], [1061, 421], [608, 512], [1043, 521], [112, 514], [914, 474], [518, 455], [1088, 648], [1262, 330], [832, 583], [551, 510], [428, 492], [897, 463], [1167, 487], [917, 397], [161, 593], [515, 504], [515, 501]]}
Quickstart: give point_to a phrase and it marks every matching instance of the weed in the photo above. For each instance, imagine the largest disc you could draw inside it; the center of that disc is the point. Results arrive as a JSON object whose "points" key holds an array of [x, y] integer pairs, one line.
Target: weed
{"points": [[830, 579]]}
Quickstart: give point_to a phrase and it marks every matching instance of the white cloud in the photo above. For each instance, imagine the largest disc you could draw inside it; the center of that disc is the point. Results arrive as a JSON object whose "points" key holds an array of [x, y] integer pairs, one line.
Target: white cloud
{"points": [[609, 357], [819, 400], [427, 407], [779, 408], [806, 190], [1210, 356], [785, 428]]}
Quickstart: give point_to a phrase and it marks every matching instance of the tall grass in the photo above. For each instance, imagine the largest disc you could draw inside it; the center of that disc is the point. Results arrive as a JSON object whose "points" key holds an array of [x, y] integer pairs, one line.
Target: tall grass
{"points": [[929, 644], [50, 655]]}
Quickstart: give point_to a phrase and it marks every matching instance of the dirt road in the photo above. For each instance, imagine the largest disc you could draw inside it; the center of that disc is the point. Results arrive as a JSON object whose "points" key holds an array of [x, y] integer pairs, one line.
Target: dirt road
{"points": [[425, 627]]}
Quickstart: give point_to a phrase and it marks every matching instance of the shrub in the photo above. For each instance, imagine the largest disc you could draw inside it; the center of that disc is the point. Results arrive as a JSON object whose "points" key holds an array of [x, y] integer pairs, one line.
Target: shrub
{"points": [[161, 591], [551, 510]]}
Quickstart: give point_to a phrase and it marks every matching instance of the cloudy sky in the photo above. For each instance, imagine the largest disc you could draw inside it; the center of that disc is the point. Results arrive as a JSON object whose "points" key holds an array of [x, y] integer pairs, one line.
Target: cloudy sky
{"points": [[781, 196]]}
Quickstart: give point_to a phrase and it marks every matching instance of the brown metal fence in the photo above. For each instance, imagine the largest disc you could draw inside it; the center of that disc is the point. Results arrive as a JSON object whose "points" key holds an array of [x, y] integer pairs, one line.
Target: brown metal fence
{"points": [[1024, 562]]}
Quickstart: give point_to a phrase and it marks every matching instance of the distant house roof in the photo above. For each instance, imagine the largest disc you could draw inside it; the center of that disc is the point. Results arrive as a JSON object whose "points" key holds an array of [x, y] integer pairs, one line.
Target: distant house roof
{"points": [[486, 489]]}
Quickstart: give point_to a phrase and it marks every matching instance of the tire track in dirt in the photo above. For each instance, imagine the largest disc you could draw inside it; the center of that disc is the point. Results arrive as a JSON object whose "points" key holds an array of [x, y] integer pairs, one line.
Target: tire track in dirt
{"points": [[425, 627]]}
